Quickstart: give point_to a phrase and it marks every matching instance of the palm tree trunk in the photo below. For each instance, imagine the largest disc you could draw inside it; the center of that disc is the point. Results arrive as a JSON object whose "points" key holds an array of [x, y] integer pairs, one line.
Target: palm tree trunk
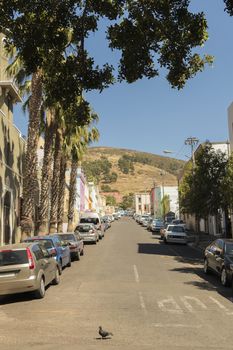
{"points": [[61, 197], [30, 170], [46, 174], [55, 181], [72, 194]]}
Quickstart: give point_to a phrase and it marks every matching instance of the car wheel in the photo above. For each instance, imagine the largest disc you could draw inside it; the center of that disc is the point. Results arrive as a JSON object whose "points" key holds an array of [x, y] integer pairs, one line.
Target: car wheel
{"points": [[77, 256], [56, 279], [40, 292], [206, 267], [224, 277]]}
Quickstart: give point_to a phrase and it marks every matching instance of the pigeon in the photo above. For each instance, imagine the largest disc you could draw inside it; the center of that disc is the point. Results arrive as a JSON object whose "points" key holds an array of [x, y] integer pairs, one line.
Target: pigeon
{"points": [[103, 333]]}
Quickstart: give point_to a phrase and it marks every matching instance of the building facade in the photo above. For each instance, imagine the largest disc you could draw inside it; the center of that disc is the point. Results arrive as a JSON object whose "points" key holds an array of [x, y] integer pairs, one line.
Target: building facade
{"points": [[142, 203], [12, 148], [157, 195]]}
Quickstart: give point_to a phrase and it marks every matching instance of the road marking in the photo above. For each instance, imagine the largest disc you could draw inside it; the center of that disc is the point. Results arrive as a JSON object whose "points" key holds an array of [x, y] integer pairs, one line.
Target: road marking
{"points": [[142, 302], [136, 275], [188, 305], [221, 306], [169, 305], [175, 325]]}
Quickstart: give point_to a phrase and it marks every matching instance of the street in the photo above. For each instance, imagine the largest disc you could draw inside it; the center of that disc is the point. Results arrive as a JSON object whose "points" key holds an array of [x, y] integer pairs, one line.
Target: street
{"points": [[148, 294]]}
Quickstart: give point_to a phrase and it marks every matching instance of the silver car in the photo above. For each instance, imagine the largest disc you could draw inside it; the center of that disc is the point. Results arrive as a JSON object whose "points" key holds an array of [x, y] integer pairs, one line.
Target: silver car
{"points": [[175, 234], [27, 267], [88, 232]]}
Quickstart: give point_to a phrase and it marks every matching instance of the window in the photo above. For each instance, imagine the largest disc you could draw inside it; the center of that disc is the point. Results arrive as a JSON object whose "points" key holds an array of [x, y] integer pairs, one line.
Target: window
{"points": [[139, 200], [140, 207], [94, 221], [37, 252], [13, 257]]}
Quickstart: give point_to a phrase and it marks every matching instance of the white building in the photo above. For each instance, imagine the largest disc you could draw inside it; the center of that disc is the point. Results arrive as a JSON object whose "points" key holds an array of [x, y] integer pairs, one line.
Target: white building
{"points": [[157, 194], [142, 203]]}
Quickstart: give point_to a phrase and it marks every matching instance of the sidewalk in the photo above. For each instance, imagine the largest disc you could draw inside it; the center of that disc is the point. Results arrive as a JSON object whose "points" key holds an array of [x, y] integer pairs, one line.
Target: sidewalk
{"points": [[200, 240]]}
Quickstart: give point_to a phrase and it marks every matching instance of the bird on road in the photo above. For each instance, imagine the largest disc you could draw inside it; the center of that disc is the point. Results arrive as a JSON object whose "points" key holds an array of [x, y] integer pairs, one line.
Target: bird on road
{"points": [[103, 333]]}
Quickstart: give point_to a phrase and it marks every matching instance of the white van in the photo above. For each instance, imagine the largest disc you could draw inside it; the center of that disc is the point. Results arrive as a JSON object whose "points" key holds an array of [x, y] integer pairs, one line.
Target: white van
{"points": [[90, 217]]}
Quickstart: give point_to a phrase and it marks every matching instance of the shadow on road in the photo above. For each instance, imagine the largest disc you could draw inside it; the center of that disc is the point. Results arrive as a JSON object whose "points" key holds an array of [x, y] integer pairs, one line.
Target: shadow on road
{"points": [[17, 298], [191, 263]]}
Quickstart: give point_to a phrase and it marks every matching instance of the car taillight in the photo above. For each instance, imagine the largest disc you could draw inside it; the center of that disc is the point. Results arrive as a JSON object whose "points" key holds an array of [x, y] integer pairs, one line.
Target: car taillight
{"points": [[30, 259]]}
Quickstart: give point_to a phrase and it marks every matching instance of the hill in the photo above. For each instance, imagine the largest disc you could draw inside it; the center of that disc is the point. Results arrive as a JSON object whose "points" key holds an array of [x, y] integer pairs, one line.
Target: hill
{"points": [[128, 170]]}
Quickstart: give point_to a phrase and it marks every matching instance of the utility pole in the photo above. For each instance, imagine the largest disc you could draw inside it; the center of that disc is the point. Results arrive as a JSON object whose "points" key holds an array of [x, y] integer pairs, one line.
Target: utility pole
{"points": [[192, 141]]}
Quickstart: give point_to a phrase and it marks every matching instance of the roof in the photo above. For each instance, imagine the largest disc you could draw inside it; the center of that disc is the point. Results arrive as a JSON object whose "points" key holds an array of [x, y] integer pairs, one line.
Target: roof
{"points": [[15, 246], [12, 90]]}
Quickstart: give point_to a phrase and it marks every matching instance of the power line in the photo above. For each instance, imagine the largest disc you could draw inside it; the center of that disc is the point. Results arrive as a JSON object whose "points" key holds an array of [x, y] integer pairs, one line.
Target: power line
{"points": [[192, 141]]}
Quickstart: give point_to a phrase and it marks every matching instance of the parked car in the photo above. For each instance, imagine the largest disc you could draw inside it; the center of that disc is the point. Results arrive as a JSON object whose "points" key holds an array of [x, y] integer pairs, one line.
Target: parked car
{"points": [[90, 217], [156, 225], [107, 220], [175, 234], [142, 217], [53, 242], [145, 222], [177, 222], [27, 267], [218, 257], [88, 232], [75, 243]]}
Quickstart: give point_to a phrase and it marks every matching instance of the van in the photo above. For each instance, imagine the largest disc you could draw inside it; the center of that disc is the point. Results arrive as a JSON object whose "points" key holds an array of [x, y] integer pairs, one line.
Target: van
{"points": [[93, 218]]}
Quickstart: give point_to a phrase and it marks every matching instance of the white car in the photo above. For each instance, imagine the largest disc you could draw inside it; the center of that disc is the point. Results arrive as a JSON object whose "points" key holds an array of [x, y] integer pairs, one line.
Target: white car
{"points": [[175, 234]]}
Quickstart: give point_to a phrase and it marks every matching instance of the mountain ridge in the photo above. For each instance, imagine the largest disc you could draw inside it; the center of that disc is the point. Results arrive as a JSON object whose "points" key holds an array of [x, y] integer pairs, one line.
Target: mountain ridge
{"points": [[149, 168]]}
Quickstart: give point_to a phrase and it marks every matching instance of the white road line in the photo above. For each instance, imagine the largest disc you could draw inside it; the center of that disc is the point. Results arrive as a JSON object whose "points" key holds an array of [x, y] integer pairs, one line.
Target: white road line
{"points": [[175, 325], [186, 300], [221, 306], [142, 302], [136, 275], [169, 305]]}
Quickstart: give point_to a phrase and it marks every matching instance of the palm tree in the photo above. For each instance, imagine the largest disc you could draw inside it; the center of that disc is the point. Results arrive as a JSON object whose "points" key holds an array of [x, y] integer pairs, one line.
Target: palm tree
{"points": [[85, 137], [30, 181], [55, 180], [46, 176]]}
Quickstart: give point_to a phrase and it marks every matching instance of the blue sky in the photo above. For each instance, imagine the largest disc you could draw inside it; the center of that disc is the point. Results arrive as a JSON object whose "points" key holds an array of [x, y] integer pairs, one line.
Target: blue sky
{"points": [[149, 115]]}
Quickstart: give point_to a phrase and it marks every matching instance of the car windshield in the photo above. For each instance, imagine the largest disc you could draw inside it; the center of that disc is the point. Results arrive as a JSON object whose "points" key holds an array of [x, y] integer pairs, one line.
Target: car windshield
{"points": [[13, 257], [84, 228], [68, 237], [177, 229], [229, 248], [94, 221]]}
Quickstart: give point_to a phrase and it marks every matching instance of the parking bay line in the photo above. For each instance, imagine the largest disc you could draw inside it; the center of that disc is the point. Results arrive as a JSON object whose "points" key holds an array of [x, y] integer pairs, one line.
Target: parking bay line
{"points": [[136, 275], [175, 325]]}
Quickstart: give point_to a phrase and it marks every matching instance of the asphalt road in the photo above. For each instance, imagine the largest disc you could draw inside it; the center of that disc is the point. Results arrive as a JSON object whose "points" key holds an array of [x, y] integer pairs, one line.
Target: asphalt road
{"points": [[148, 294]]}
